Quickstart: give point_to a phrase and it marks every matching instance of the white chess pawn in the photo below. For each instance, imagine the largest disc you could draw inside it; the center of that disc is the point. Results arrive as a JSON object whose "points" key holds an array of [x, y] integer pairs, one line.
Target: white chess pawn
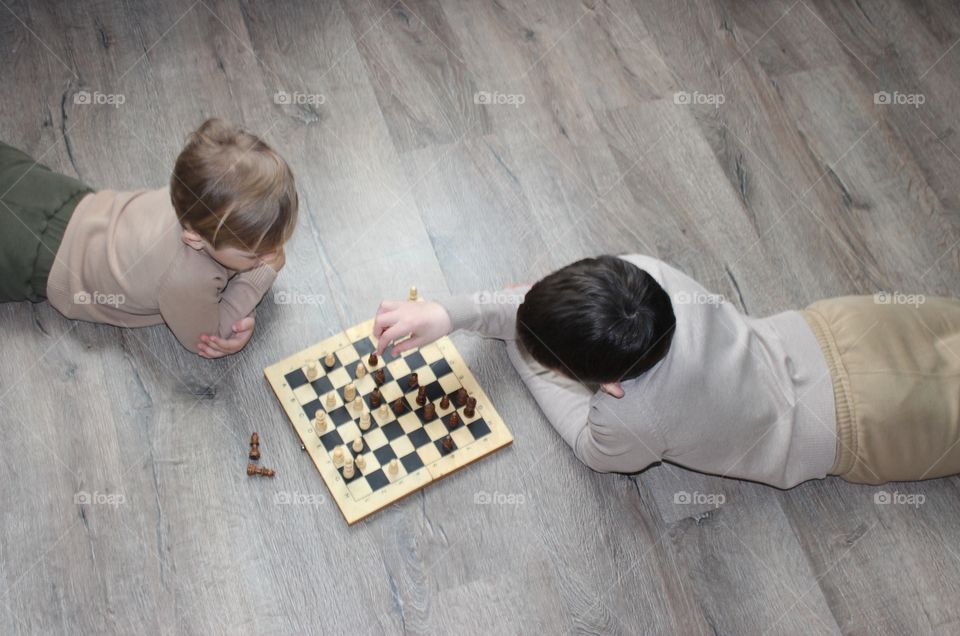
{"points": [[364, 421], [361, 462], [393, 467], [413, 293], [358, 403], [337, 455], [312, 371], [348, 469], [358, 445], [349, 392], [384, 409], [330, 359], [331, 399], [361, 370], [320, 421]]}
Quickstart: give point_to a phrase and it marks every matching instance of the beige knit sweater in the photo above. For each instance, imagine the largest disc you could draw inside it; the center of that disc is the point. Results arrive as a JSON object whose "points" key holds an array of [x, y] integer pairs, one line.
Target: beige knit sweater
{"points": [[122, 262], [735, 396]]}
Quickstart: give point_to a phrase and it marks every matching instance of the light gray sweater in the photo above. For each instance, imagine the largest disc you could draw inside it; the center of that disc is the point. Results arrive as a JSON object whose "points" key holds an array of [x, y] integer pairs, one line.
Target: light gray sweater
{"points": [[735, 396]]}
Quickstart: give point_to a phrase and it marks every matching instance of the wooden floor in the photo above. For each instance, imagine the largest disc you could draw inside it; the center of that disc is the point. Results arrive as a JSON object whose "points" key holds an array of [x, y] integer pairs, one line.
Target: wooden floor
{"points": [[741, 141]]}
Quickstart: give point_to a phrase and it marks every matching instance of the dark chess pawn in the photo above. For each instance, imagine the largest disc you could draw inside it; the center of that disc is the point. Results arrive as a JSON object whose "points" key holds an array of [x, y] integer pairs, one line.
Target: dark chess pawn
{"points": [[253, 469], [412, 381], [448, 443], [445, 402], [379, 376], [375, 398], [398, 406], [429, 411], [373, 360], [471, 407], [453, 420], [461, 397], [422, 395]]}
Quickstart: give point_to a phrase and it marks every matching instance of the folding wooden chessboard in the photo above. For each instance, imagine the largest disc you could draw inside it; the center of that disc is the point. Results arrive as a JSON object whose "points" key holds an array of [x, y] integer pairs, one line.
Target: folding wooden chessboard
{"points": [[408, 437]]}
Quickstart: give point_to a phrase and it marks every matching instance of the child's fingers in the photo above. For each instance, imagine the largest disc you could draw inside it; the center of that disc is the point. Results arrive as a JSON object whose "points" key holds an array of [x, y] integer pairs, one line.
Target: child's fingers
{"points": [[383, 322], [394, 332], [409, 343]]}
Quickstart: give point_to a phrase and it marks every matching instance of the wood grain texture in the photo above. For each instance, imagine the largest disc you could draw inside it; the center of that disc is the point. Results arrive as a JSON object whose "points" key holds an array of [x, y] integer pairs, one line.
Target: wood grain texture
{"points": [[127, 506]]}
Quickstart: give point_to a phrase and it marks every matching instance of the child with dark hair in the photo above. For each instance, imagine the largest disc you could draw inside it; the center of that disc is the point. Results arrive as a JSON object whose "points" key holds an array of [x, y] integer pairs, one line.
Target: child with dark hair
{"points": [[198, 255], [633, 362]]}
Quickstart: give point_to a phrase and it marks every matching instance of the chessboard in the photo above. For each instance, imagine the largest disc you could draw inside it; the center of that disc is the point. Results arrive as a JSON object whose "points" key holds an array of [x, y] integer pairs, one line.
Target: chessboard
{"points": [[418, 416]]}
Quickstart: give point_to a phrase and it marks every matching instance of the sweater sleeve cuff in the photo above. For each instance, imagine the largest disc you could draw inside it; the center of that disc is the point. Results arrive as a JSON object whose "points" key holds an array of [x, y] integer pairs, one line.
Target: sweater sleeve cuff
{"points": [[463, 311]]}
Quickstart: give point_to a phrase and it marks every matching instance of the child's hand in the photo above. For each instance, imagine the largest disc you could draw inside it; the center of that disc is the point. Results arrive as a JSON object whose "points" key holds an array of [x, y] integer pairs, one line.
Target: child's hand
{"points": [[276, 260], [424, 322], [212, 347]]}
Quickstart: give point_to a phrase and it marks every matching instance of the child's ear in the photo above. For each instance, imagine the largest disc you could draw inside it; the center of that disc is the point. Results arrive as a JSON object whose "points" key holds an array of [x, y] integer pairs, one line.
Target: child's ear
{"points": [[191, 238]]}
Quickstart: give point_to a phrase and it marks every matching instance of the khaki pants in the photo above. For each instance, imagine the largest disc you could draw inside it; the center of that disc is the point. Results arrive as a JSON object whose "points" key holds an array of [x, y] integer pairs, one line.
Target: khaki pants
{"points": [[896, 381]]}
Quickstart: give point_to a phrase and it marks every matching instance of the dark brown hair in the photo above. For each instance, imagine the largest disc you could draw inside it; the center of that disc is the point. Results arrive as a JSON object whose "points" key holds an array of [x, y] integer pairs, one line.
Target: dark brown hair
{"points": [[597, 320], [233, 190]]}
